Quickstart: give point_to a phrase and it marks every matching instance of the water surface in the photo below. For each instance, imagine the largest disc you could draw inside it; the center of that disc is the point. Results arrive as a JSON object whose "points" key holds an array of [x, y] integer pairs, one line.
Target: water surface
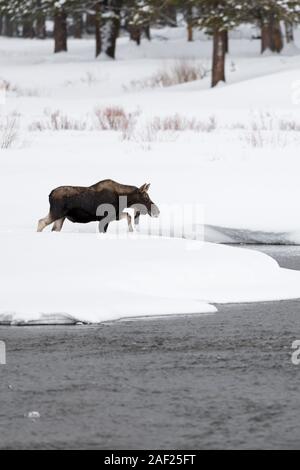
{"points": [[214, 381]]}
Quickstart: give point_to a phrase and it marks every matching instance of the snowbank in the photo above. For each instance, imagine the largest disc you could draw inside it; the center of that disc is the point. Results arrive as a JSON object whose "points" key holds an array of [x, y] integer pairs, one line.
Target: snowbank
{"points": [[67, 278]]}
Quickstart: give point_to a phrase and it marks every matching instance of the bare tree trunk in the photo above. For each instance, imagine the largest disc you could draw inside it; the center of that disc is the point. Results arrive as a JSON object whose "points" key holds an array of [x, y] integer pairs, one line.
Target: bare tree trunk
{"points": [[111, 32], [40, 27], [90, 24], [40, 23], [266, 38], [219, 53], [28, 29], [110, 26], [147, 32], [226, 41], [289, 32], [271, 36], [60, 31], [189, 22], [135, 34], [276, 33], [77, 25], [107, 25], [190, 36], [9, 27], [98, 30]]}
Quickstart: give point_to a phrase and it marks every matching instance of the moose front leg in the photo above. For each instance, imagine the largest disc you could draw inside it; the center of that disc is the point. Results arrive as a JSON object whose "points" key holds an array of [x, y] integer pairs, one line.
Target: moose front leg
{"points": [[128, 217], [58, 225], [137, 215]]}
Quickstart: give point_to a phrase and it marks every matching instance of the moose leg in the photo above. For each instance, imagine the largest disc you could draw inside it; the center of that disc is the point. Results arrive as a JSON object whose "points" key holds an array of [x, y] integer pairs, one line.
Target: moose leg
{"points": [[126, 216], [43, 223], [58, 225], [137, 215]]}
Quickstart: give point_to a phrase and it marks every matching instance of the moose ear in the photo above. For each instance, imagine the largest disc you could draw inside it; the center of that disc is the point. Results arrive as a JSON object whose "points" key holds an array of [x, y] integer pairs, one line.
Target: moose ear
{"points": [[145, 188]]}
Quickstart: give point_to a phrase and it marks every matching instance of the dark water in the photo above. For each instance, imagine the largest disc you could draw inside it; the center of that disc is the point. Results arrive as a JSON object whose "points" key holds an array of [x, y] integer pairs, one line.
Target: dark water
{"points": [[216, 381]]}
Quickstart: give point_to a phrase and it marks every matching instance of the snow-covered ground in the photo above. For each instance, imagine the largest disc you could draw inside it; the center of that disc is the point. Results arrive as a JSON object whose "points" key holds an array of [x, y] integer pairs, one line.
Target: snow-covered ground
{"points": [[69, 278], [238, 159]]}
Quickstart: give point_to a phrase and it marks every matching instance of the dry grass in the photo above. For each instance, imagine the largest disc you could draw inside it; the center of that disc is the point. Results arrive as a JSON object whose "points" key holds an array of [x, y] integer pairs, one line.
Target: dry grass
{"points": [[183, 71], [107, 119], [9, 132], [289, 125], [270, 130], [57, 121], [115, 118], [179, 123], [169, 127], [17, 90]]}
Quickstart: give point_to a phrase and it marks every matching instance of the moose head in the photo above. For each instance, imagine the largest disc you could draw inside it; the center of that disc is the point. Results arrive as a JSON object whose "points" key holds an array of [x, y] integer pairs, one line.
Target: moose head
{"points": [[141, 201]]}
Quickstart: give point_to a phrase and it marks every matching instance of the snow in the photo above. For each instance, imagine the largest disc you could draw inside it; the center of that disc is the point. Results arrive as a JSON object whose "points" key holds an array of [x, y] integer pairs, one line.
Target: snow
{"points": [[241, 169], [69, 278]]}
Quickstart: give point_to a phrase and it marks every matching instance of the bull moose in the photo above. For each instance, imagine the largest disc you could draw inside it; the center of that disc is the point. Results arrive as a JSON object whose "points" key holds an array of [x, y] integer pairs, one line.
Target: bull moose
{"points": [[103, 202]]}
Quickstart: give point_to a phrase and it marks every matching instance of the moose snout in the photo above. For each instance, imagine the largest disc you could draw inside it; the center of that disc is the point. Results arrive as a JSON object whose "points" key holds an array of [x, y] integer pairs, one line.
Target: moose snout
{"points": [[154, 211]]}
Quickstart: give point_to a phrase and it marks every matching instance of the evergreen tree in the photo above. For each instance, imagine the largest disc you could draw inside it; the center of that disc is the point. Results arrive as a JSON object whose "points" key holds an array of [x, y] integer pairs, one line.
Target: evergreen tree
{"points": [[268, 14], [217, 17], [139, 14], [107, 15]]}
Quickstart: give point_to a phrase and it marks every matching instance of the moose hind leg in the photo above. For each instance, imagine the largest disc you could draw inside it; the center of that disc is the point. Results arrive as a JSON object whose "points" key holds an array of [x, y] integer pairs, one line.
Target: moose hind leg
{"points": [[58, 225], [43, 223]]}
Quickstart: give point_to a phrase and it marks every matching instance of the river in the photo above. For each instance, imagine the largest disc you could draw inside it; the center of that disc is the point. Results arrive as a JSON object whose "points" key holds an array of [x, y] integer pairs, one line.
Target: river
{"points": [[216, 381]]}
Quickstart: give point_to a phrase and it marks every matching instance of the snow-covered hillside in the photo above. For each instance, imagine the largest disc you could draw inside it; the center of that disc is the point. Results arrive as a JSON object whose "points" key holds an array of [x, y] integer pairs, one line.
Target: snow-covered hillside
{"points": [[233, 150], [246, 131]]}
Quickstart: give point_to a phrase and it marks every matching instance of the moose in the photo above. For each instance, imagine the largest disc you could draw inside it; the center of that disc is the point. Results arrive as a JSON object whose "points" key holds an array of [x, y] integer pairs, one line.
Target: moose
{"points": [[104, 202]]}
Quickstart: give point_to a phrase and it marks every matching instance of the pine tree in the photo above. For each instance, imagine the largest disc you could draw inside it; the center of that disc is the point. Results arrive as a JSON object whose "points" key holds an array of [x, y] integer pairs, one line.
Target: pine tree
{"points": [[268, 14], [107, 24], [217, 17], [138, 16], [59, 10]]}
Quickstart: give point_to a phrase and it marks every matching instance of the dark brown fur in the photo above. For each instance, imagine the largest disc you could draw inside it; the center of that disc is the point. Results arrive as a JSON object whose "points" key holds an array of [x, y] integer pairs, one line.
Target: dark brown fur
{"points": [[79, 204]]}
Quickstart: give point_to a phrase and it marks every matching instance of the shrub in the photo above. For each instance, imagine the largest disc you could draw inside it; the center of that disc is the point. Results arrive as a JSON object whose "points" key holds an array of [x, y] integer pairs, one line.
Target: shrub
{"points": [[181, 123], [115, 118], [182, 72], [58, 122], [9, 131]]}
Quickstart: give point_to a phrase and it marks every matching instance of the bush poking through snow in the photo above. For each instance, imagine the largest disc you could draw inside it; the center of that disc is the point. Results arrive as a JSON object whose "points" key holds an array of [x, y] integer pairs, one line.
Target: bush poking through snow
{"points": [[57, 121], [9, 132], [115, 118], [110, 118], [289, 125], [269, 130], [168, 127], [181, 123], [183, 71], [18, 91]]}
